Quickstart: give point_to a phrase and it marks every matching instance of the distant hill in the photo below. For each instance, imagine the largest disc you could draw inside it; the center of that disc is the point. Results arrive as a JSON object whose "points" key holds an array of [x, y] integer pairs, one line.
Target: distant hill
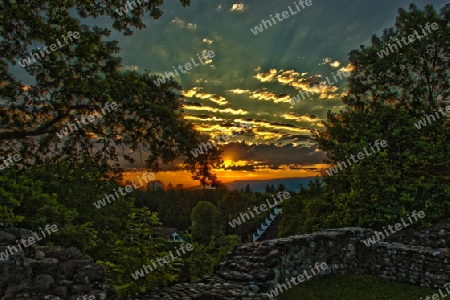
{"points": [[292, 184]]}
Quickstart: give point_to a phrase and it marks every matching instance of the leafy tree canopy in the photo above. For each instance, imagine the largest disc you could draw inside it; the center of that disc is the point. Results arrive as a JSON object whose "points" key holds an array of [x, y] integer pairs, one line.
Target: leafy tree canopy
{"points": [[205, 225], [79, 80], [386, 97]]}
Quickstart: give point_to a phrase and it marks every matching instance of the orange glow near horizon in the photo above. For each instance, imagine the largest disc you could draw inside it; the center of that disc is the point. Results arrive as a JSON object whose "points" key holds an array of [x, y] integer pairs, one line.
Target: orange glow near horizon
{"points": [[226, 176]]}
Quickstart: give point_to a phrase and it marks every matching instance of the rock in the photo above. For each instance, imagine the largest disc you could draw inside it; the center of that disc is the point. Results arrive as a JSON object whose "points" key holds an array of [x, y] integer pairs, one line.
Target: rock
{"points": [[49, 272], [7, 238], [43, 282]]}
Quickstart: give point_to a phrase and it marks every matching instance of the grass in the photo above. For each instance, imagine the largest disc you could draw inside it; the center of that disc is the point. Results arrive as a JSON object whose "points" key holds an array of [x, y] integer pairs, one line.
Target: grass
{"points": [[355, 287]]}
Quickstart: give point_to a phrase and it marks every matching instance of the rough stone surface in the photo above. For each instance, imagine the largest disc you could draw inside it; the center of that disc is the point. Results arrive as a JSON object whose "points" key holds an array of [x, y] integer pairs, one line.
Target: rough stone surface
{"points": [[52, 273], [437, 236], [253, 269]]}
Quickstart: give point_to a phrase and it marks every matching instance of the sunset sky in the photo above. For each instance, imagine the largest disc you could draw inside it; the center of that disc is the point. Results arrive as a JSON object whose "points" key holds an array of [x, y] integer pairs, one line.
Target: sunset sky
{"points": [[251, 78]]}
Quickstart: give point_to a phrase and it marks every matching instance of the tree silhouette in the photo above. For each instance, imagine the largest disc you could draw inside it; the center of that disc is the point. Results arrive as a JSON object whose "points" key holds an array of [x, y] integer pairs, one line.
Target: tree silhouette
{"points": [[386, 97], [281, 188], [79, 80]]}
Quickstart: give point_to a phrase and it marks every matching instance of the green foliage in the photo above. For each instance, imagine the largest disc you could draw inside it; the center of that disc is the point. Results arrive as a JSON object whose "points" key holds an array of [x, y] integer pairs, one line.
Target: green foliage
{"points": [[304, 212], [174, 207], [200, 262], [76, 187], [135, 249], [197, 263], [386, 98], [205, 225], [221, 245], [11, 195], [25, 203], [230, 206]]}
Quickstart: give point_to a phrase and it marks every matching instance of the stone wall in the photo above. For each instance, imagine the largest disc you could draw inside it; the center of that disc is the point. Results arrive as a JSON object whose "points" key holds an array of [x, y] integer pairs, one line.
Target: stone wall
{"points": [[267, 263], [255, 268], [437, 236], [51, 273], [248, 272]]}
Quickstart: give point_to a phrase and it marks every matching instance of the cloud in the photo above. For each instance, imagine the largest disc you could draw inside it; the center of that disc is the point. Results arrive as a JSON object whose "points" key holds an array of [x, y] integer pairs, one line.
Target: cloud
{"points": [[261, 131], [202, 80], [335, 64], [314, 84], [274, 129], [203, 118], [267, 95], [329, 60], [325, 61], [182, 24], [274, 126], [267, 77], [234, 167], [347, 68], [196, 107], [178, 22], [287, 156], [207, 41], [305, 118], [216, 110], [191, 26], [218, 99], [194, 92], [219, 129], [311, 85], [288, 76], [189, 93], [266, 135], [207, 62], [238, 91], [328, 96], [233, 111], [282, 76], [239, 7], [203, 96]]}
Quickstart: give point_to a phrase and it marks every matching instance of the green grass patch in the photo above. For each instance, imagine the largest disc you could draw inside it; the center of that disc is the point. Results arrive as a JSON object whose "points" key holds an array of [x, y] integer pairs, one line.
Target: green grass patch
{"points": [[355, 287]]}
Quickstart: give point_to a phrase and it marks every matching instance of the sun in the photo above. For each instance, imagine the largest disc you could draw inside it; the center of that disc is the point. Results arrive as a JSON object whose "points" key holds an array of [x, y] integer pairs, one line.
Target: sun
{"points": [[228, 162]]}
